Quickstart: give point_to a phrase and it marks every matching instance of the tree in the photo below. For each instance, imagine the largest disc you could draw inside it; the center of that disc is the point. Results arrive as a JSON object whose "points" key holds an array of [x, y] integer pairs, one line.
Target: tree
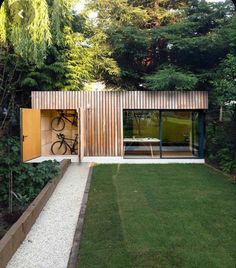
{"points": [[111, 18], [43, 52], [161, 12], [170, 77], [224, 86], [78, 61], [29, 39]]}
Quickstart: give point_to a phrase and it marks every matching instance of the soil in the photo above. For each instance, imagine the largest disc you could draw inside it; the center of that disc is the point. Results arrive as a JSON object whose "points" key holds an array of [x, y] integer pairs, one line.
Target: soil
{"points": [[7, 219]]}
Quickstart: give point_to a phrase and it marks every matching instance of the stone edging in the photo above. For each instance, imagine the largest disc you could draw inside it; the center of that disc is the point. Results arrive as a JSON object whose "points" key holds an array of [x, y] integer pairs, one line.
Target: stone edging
{"points": [[73, 259], [17, 233]]}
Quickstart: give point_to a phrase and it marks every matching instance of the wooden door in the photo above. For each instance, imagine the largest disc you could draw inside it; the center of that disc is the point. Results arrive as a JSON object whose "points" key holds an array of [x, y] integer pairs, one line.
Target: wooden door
{"points": [[81, 133], [30, 134]]}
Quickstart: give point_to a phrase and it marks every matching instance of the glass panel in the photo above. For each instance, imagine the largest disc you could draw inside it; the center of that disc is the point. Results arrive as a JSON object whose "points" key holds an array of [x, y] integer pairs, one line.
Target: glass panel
{"points": [[195, 143], [141, 133], [179, 134]]}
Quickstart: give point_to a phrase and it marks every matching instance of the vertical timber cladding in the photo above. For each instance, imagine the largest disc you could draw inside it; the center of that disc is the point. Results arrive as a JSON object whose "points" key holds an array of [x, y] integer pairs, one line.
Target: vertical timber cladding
{"points": [[103, 112]]}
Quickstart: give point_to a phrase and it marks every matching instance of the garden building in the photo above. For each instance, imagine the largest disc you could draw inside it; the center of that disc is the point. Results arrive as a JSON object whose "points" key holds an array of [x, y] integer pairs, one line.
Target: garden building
{"points": [[157, 125]]}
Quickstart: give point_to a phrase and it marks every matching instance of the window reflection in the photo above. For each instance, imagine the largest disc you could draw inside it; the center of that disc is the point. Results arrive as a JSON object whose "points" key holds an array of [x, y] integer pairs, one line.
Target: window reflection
{"points": [[141, 133], [179, 134], [169, 134]]}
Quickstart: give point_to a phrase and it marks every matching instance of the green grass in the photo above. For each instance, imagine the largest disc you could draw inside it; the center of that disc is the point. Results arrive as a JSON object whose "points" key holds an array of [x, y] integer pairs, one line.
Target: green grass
{"points": [[159, 216]]}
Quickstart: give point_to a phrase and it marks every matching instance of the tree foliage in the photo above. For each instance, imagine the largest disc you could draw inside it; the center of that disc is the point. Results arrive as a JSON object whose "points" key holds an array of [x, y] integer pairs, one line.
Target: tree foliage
{"points": [[224, 86], [132, 44], [171, 78], [30, 41]]}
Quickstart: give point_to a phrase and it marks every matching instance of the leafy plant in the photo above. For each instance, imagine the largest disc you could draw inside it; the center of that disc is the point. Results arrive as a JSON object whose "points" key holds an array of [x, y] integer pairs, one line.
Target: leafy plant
{"points": [[225, 84], [226, 160], [27, 179], [220, 146]]}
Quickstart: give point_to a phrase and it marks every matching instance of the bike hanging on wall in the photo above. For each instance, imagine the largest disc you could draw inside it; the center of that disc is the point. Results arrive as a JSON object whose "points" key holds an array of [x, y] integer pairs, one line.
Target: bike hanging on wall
{"points": [[58, 123], [61, 146]]}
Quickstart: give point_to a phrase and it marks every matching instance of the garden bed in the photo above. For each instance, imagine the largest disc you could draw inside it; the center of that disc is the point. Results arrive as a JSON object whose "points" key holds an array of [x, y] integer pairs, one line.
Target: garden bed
{"points": [[18, 231], [7, 219]]}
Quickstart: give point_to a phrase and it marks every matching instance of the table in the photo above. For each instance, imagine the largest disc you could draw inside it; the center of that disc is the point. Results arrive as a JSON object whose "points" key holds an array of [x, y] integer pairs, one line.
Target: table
{"points": [[142, 140]]}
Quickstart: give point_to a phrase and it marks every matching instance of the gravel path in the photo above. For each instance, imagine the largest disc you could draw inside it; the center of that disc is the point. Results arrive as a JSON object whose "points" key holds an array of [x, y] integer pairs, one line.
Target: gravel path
{"points": [[49, 242]]}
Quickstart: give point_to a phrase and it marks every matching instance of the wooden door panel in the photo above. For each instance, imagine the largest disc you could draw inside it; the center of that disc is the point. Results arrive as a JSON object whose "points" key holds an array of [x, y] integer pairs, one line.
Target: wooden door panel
{"points": [[81, 134], [30, 134]]}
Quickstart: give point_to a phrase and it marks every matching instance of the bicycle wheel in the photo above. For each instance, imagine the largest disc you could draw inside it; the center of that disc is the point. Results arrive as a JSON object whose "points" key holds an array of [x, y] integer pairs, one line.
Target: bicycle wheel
{"points": [[58, 148], [75, 151], [58, 124]]}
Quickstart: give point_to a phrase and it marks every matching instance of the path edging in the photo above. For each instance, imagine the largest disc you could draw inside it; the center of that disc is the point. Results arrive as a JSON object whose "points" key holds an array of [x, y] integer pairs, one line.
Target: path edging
{"points": [[73, 258], [19, 230]]}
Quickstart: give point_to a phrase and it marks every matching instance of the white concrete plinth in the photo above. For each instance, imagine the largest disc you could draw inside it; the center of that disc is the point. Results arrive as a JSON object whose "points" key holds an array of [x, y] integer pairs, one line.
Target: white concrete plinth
{"points": [[58, 158], [121, 160]]}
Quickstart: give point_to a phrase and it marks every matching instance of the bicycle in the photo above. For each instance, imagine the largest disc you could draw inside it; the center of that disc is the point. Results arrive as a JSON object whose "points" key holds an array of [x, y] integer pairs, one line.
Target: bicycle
{"points": [[58, 123], [60, 147]]}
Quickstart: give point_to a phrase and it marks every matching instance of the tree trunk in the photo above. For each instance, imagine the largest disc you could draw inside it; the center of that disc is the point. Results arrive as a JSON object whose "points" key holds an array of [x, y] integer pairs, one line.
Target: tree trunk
{"points": [[221, 114]]}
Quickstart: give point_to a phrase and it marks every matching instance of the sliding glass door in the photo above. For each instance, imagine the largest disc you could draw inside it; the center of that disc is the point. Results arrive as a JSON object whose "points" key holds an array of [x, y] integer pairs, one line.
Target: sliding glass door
{"points": [[179, 134], [141, 133], [165, 134]]}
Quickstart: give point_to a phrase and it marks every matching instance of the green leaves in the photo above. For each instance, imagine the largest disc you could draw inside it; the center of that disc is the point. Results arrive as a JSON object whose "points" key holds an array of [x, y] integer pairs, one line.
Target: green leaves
{"points": [[29, 82], [226, 159], [170, 77], [130, 42], [61, 17], [116, 14], [221, 145], [224, 90], [30, 39], [28, 179], [77, 61]]}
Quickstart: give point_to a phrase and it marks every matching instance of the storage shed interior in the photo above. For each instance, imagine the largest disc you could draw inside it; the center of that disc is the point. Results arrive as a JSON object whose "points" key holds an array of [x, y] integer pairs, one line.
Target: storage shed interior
{"points": [[49, 133]]}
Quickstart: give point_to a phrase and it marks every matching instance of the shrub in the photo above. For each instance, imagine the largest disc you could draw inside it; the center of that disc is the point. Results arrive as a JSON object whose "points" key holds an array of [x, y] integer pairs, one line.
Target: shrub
{"points": [[220, 146], [226, 160], [27, 178]]}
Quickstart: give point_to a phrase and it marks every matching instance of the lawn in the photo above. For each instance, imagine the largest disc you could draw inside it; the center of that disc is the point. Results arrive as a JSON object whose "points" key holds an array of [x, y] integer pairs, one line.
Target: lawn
{"points": [[159, 216]]}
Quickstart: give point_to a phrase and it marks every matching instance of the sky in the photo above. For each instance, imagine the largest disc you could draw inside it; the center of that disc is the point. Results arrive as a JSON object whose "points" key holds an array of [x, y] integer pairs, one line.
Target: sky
{"points": [[79, 6]]}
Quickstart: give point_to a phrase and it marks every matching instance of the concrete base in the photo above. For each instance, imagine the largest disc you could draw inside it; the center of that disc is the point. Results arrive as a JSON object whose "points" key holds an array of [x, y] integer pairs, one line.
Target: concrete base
{"points": [[118, 160], [58, 158], [121, 160]]}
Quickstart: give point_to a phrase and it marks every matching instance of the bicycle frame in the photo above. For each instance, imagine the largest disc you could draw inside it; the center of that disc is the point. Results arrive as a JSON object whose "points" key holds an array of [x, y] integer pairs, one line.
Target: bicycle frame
{"points": [[75, 141], [66, 115]]}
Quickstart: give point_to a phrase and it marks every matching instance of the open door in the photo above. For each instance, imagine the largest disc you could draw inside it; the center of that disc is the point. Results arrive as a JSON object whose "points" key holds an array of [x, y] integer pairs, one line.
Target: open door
{"points": [[81, 133], [30, 134]]}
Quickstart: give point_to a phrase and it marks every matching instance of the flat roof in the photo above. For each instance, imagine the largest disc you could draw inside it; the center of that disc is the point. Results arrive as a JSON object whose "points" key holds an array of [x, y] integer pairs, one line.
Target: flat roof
{"points": [[169, 100]]}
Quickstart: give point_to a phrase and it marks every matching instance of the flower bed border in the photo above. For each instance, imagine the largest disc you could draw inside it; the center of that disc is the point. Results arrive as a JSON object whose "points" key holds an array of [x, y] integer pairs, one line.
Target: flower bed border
{"points": [[19, 230]]}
